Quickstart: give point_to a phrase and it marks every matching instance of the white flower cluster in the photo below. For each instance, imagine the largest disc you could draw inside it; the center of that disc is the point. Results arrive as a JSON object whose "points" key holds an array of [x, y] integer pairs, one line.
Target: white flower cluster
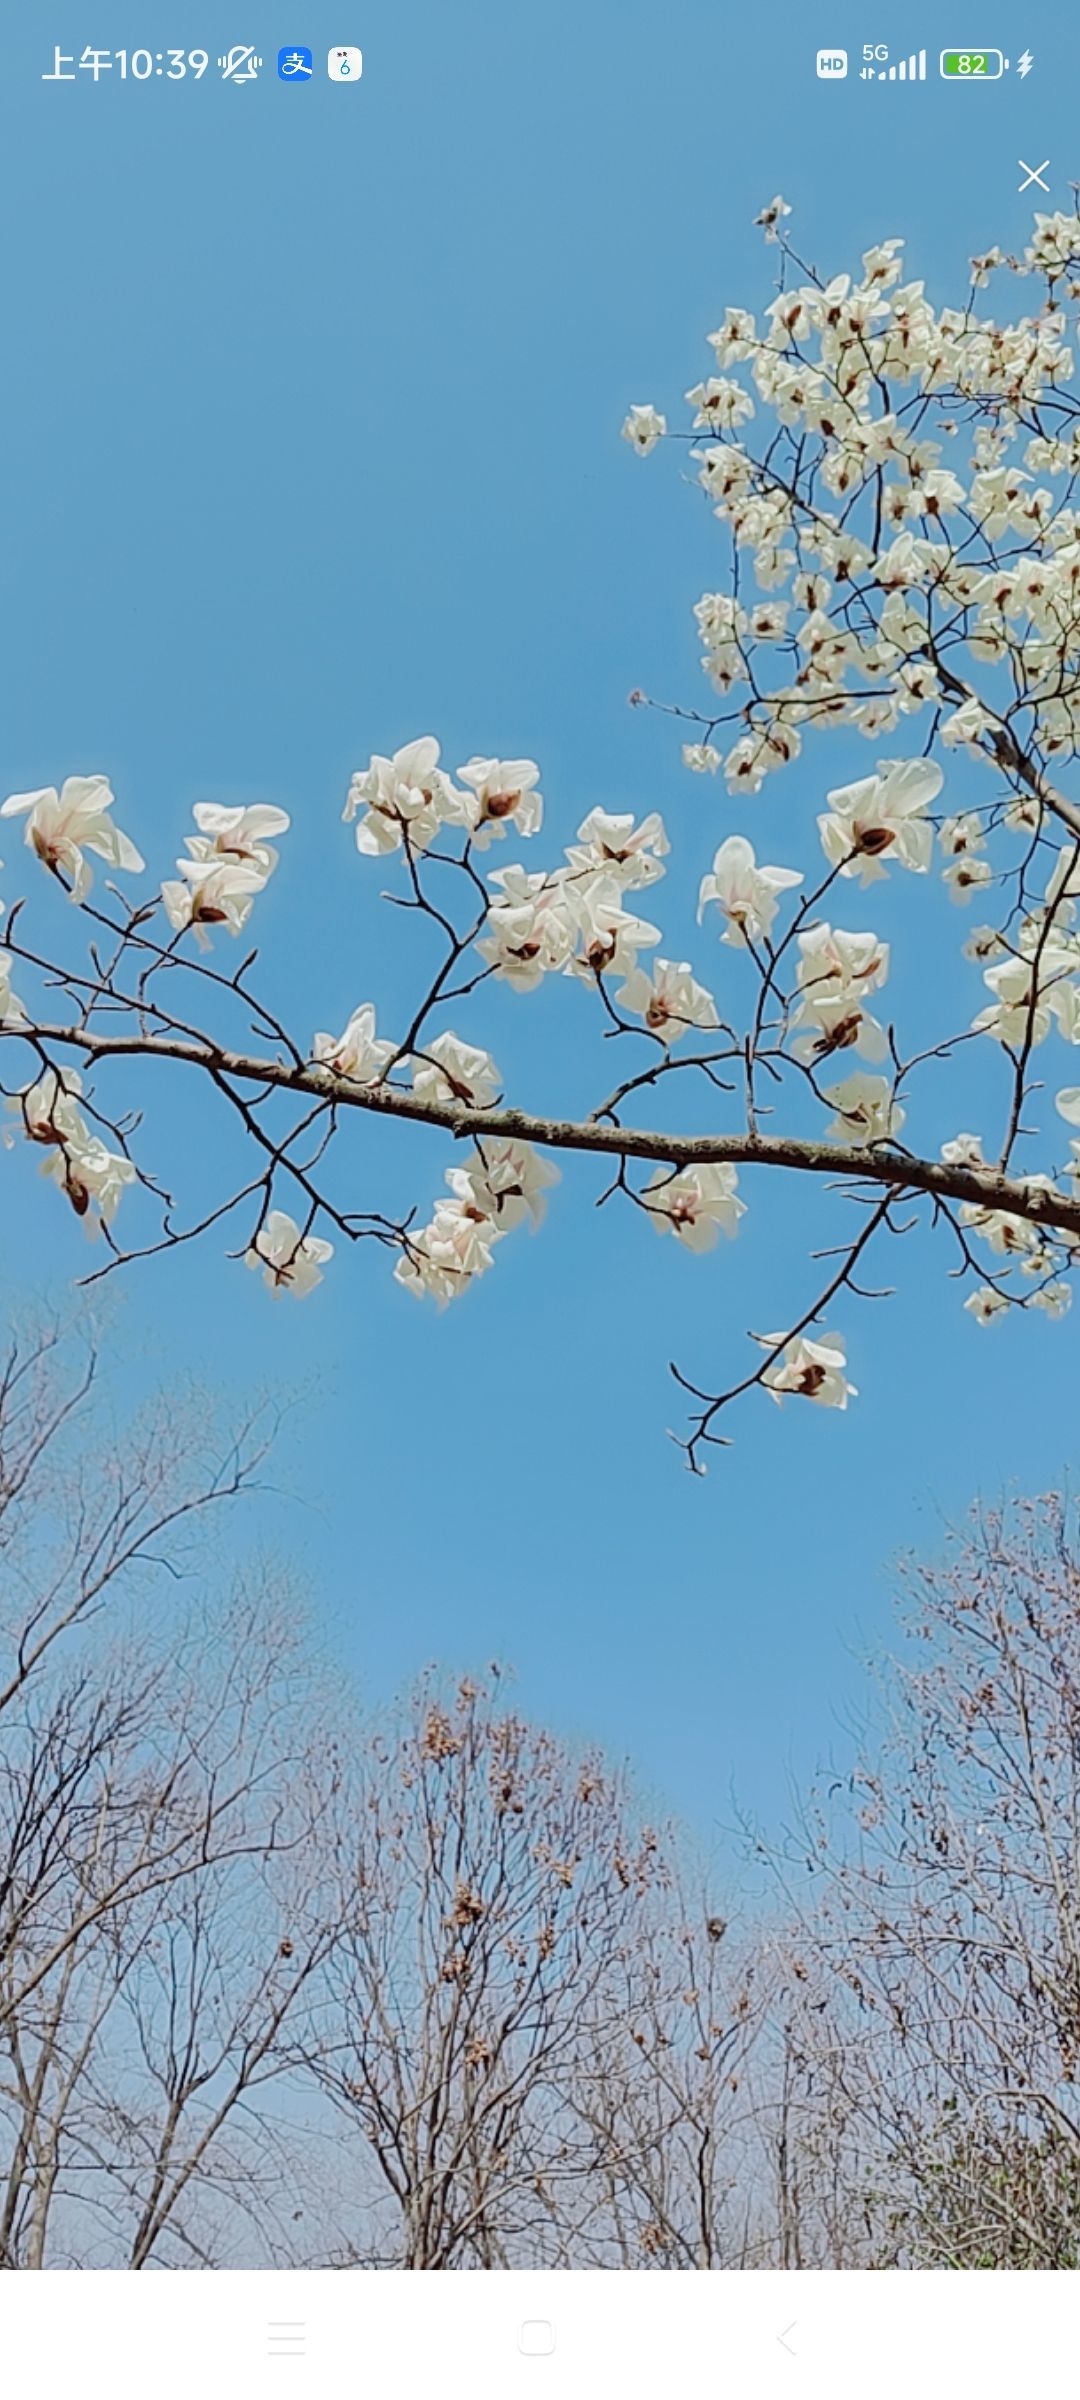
{"points": [[91, 1176], [504, 1186], [409, 797], [898, 492], [230, 861]]}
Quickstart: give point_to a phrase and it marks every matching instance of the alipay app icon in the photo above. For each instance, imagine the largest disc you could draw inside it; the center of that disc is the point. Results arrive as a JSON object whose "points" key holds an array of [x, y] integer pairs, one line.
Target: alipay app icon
{"points": [[294, 65]]}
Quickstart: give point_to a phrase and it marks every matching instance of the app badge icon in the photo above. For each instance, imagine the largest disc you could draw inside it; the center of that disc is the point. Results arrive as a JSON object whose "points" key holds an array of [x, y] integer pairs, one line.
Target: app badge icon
{"points": [[294, 65], [345, 66]]}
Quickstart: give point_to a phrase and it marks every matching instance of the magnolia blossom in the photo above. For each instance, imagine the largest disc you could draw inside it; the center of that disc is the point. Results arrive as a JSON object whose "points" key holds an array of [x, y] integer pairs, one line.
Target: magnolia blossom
{"points": [[836, 971], [530, 931], [771, 218], [1054, 1298], [447, 1255], [290, 1261], [626, 853], [964, 1150], [1030, 990], [62, 825], [211, 895], [983, 942], [696, 1205], [643, 427], [701, 758], [1007, 1235], [355, 1053], [746, 895], [609, 935], [987, 1303], [1068, 1104], [965, 875], [813, 1369], [865, 1110], [961, 835], [239, 834], [91, 1176], [11, 1008], [668, 999], [503, 794], [49, 1109], [721, 402], [882, 818], [406, 795], [454, 1073], [507, 1183]]}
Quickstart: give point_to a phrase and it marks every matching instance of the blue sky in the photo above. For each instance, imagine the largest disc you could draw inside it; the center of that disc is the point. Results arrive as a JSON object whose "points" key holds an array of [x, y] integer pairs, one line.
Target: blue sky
{"points": [[312, 403]]}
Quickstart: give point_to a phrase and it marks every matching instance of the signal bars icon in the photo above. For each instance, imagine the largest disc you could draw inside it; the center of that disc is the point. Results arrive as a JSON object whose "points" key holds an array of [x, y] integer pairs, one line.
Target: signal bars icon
{"points": [[905, 70]]}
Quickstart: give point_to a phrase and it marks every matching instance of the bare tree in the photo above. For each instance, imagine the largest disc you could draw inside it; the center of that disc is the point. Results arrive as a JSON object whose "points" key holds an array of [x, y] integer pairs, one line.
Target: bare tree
{"points": [[160, 1903], [488, 1881], [669, 2094], [934, 1994]]}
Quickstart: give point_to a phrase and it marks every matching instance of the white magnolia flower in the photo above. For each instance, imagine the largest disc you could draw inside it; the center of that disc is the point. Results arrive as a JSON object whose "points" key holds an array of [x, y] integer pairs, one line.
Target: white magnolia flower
{"points": [[771, 217], [508, 1182], [1028, 994], [986, 1304], [983, 942], [609, 935], [1055, 1298], [1063, 884], [970, 724], [48, 1110], [668, 999], [502, 793], [965, 1150], [12, 1011], [695, 1205], [720, 403], [643, 428], [454, 1073], [530, 931], [736, 338], [1007, 1235], [211, 894], [290, 1261], [836, 971], [865, 1110], [408, 793], [91, 1176], [62, 824], [701, 758], [239, 834], [965, 875], [447, 1255], [629, 854], [1068, 1104], [815, 1370], [746, 895], [882, 818], [959, 836], [355, 1053]]}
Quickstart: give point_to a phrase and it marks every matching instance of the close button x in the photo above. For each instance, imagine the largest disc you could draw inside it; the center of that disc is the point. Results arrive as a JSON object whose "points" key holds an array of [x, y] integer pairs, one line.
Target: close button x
{"points": [[1032, 175]]}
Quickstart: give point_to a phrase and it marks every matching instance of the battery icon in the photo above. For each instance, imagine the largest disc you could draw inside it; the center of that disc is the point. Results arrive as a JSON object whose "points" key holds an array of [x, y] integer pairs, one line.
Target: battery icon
{"points": [[972, 66]]}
